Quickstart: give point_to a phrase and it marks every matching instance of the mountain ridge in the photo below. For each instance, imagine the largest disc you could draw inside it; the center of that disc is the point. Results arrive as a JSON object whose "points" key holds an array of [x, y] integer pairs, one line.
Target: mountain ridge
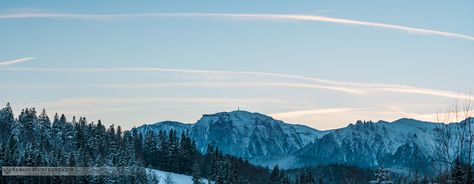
{"points": [[266, 141]]}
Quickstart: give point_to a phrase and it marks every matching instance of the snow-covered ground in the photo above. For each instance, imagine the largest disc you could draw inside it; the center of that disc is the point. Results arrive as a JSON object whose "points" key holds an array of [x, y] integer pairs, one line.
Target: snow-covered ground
{"points": [[177, 178]]}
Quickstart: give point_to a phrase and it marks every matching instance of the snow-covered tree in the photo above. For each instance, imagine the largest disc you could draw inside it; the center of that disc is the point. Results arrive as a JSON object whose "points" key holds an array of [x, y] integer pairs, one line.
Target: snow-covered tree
{"points": [[6, 123], [382, 177], [196, 174], [150, 148]]}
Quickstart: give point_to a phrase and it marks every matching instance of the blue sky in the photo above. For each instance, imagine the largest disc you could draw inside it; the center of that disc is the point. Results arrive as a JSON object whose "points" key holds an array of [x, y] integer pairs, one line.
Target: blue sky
{"points": [[305, 62]]}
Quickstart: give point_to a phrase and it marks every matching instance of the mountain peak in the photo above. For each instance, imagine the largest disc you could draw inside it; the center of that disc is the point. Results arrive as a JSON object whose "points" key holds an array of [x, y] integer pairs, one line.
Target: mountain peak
{"points": [[168, 123], [411, 121], [404, 120], [165, 126], [237, 113], [238, 116]]}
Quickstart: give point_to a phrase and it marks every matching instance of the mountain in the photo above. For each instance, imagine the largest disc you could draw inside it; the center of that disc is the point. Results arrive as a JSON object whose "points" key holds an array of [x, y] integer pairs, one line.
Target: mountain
{"points": [[165, 126], [253, 136], [402, 145], [366, 144]]}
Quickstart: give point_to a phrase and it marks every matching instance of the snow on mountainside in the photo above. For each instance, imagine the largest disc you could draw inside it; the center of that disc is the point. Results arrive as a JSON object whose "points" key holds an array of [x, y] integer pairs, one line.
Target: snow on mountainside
{"points": [[253, 136], [266, 141], [369, 144], [165, 126]]}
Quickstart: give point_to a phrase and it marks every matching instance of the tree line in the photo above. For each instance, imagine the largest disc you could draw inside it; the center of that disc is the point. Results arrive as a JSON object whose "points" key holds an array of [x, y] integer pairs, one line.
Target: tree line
{"points": [[33, 139]]}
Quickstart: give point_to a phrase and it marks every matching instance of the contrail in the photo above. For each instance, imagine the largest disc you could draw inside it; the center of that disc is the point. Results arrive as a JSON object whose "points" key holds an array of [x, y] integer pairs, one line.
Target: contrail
{"points": [[310, 82], [15, 61], [293, 17]]}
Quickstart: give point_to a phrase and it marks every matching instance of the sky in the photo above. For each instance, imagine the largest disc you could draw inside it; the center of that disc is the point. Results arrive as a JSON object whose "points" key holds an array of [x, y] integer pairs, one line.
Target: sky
{"points": [[324, 64]]}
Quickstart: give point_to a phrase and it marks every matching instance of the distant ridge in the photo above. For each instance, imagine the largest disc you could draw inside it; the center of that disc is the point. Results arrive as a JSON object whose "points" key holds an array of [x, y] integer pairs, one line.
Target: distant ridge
{"points": [[265, 141]]}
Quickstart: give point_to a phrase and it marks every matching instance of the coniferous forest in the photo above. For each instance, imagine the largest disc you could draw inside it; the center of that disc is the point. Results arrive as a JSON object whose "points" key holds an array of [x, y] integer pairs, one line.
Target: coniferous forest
{"points": [[34, 139]]}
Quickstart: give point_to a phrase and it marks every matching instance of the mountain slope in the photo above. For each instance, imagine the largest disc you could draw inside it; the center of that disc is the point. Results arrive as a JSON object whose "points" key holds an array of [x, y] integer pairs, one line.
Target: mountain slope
{"points": [[253, 136], [401, 145], [165, 126], [366, 144]]}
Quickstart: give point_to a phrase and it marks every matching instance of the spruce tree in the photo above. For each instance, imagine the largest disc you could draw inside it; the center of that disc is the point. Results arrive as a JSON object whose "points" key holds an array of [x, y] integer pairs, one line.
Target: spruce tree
{"points": [[382, 177], [13, 154], [6, 123], [196, 174], [457, 173], [149, 149], [275, 175], [173, 152]]}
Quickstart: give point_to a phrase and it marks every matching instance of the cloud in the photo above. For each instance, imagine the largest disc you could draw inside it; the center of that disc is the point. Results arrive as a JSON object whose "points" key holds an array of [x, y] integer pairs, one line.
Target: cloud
{"points": [[331, 118], [154, 101], [293, 114], [291, 17], [273, 79], [97, 105], [15, 61]]}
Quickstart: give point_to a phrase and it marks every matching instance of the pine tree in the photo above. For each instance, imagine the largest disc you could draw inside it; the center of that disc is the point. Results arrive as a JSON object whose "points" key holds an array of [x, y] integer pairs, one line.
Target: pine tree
{"points": [[71, 160], [150, 148], [163, 150], [186, 153], [233, 174], [80, 142], [221, 173], [382, 177], [275, 175], [306, 178], [2, 154], [457, 173], [13, 154], [6, 123], [27, 120], [44, 132], [112, 146], [173, 152], [100, 138], [196, 174]]}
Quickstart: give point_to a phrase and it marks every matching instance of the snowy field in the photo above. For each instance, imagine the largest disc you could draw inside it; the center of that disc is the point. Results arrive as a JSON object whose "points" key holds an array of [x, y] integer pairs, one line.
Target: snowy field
{"points": [[177, 178]]}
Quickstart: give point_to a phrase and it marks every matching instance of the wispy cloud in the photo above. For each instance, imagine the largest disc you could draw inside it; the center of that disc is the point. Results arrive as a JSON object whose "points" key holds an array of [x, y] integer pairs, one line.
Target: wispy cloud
{"points": [[234, 84], [15, 61], [274, 78], [291, 17], [153, 100], [298, 113], [104, 104], [330, 118]]}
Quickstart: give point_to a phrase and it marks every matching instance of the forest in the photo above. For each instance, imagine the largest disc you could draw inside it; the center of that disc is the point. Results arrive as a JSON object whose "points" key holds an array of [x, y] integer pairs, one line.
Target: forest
{"points": [[33, 139]]}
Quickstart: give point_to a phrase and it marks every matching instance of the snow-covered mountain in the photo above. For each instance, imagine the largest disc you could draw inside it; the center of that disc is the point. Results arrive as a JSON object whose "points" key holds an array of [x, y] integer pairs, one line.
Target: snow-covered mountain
{"points": [[398, 144], [165, 126], [253, 136], [401, 144]]}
